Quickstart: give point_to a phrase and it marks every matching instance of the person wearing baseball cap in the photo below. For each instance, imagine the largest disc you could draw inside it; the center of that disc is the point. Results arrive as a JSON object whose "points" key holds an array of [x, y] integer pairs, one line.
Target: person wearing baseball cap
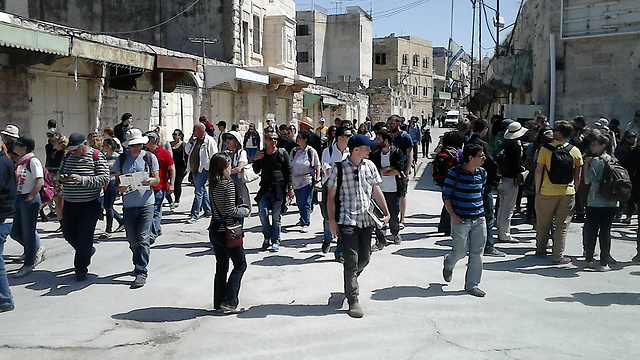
{"points": [[354, 182]]}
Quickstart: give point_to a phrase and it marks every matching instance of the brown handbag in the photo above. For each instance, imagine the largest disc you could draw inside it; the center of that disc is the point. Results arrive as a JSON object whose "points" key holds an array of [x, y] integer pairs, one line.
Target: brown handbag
{"points": [[233, 233]]}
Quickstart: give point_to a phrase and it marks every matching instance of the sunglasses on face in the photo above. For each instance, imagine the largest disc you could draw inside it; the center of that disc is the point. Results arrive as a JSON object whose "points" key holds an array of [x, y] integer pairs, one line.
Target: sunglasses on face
{"points": [[137, 145], [272, 138]]}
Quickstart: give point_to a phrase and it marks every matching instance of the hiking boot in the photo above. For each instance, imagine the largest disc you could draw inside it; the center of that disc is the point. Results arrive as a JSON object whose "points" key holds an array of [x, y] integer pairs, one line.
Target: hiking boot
{"points": [[475, 291], [139, 281], [355, 311], [397, 240], [447, 274], [39, 256], [24, 271]]}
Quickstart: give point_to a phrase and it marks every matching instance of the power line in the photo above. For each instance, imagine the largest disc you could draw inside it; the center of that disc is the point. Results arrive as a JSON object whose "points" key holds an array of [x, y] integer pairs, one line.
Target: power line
{"points": [[154, 26]]}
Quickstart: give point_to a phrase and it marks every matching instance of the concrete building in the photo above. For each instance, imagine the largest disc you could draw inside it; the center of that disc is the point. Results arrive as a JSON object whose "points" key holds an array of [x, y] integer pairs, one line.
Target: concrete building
{"points": [[407, 63], [592, 71], [256, 36], [336, 48]]}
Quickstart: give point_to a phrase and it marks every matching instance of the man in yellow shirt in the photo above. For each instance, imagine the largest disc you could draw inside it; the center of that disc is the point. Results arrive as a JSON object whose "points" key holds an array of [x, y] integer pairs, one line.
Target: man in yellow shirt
{"points": [[557, 177], [322, 130]]}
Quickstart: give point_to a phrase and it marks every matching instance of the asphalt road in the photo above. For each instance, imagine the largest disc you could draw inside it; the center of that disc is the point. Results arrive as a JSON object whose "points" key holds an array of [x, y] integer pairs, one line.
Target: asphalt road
{"points": [[533, 310]]}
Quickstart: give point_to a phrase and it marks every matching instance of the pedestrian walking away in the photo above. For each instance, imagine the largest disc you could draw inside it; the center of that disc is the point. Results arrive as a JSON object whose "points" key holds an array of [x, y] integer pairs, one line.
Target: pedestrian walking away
{"points": [[180, 162], [138, 203], [462, 195], [305, 168], [84, 171], [200, 149], [228, 211], [354, 182]]}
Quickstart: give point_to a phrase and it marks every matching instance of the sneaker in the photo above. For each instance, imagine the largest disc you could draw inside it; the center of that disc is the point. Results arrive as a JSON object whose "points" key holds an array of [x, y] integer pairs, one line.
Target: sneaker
{"points": [[207, 215], [139, 281], [475, 291], [24, 271], [191, 220], [562, 261], [355, 311], [305, 228], [39, 255], [340, 258], [7, 308], [325, 247], [605, 268], [636, 259], [275, 247], [397, 240], [378, 246], [120, 228], [81, 277], [228, 309], [447, 274], [265, 245], [495, 252]]}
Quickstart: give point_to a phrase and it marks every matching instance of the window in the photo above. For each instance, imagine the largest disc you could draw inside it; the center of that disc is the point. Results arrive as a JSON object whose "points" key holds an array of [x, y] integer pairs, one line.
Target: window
{"points": [[303, 57], [302, 30], [416, 60], [289, 49], [381, 59], [256, 34], [425, 62], [425, 91], [405, 59], [415, 90]]}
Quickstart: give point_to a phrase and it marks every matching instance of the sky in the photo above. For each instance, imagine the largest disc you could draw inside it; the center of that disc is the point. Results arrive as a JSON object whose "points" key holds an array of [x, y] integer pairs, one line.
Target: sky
{"points": [[427, 19]]}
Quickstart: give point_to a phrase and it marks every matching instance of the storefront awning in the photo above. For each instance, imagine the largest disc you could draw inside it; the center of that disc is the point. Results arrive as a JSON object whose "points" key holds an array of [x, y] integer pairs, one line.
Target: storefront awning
{"points": [[328, 100], [28, 39], [171, 63], [112, 55], [216, 75]]}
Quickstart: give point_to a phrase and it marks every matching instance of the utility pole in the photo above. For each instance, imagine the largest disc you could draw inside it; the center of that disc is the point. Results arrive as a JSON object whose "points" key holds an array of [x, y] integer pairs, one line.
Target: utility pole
{"points": [[473, 36], [497, 23]]}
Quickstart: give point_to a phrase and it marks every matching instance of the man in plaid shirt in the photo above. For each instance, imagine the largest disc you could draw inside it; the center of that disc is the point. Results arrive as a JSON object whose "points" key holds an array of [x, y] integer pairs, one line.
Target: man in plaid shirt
{"points": [[355, 179]]}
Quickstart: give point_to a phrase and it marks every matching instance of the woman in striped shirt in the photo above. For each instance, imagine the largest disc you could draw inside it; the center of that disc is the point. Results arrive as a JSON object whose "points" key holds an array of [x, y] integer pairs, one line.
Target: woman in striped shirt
{"points": [[222, 193]]}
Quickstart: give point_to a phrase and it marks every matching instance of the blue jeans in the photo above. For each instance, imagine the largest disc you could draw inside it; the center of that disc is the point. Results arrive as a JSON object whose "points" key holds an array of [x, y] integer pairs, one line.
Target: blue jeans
{"points": [[78, 224], [201, 195], [110, 195], [270, 231], [6, 300], [489, 217], [24, 226], [137, 223], [304, 196], [225, 291], [251, 153], [156, 229], [468, 237], [357, 252]]}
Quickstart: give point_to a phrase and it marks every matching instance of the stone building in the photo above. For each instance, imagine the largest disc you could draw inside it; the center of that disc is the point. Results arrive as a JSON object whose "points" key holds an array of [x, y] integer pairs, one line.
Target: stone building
{"points": [[593, 71], [257, 37], [407, 62], [450, 89]]}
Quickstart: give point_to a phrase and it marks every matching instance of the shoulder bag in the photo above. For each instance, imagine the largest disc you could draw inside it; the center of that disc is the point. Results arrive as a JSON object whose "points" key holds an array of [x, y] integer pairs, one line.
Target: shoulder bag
{"points": [[233, 233]]}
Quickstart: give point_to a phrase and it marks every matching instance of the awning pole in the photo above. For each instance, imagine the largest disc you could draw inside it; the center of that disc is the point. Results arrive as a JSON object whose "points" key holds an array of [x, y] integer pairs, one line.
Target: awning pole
{"points": [[161, 91]]}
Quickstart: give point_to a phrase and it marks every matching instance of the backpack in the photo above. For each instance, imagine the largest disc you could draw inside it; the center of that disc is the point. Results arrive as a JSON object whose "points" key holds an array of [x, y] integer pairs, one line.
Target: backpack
{"points": [[616, 183], [146, 157], [443, 161], [501, 160], [561, 172], [337, 201], [46, 192]]}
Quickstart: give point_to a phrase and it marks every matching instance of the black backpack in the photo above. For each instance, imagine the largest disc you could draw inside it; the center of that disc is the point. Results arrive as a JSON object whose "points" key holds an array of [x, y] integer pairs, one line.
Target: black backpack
{"points": [[616, 183], [561, 171], [501, 160]]}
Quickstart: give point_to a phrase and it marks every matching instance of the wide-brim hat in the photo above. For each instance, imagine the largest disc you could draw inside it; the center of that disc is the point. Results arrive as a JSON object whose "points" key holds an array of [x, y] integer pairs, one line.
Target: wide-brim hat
{"points": [[515, 130], [234, 134], [12, 131], [307, 121], [135, 137]]}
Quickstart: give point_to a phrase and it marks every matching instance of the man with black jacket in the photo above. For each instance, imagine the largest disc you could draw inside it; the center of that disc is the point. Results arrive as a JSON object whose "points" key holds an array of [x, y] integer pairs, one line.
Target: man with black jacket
{"points": [[510, 168], [480, 129], [389, 161], [7, 203]]}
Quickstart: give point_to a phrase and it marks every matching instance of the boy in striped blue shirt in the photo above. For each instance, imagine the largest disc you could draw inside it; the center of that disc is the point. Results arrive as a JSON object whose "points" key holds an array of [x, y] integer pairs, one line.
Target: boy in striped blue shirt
{"points": [[462, 195]]}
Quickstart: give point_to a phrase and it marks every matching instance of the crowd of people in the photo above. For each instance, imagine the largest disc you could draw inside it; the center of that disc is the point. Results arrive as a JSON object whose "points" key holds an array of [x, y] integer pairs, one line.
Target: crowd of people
{"points": [[358, 175]]}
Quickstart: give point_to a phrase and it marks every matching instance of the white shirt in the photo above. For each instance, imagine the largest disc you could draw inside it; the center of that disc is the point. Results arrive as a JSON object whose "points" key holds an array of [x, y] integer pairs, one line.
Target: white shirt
{"points": [[27, 177], [388, 181], [329, 160]]}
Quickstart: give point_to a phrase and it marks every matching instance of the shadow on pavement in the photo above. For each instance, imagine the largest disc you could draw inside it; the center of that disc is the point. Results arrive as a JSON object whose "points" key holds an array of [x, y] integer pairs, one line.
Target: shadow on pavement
{"points": [[333, 307], [533, 265], [420, 253], [602, 299], [208, 249], [163, 314], [426, 180], [63, 282], [277, 260], [397, 292]]}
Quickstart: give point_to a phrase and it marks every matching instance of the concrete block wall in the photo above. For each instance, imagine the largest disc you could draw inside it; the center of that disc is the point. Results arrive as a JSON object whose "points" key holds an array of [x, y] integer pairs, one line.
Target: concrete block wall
{"points": [[14, 92]]}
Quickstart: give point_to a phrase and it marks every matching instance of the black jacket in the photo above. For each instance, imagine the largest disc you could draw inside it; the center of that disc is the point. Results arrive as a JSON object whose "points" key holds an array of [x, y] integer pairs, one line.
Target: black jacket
{"points": [[513, 158], [397, 162], [8, 186], [493, 177]]}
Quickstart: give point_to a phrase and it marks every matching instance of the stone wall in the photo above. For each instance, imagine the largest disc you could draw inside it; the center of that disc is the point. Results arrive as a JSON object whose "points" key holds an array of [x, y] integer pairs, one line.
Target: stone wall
{"points": [[14, 92]]}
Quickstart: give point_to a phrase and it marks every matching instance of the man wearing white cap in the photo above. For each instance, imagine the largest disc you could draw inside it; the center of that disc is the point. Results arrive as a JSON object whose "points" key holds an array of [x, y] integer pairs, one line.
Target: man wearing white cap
{"points": [[9, 135], [138, 204], [509, 159]]}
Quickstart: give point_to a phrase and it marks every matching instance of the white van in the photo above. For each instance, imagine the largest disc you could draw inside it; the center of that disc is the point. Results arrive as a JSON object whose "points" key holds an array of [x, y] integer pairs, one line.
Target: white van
{"points": [[451, 120]]}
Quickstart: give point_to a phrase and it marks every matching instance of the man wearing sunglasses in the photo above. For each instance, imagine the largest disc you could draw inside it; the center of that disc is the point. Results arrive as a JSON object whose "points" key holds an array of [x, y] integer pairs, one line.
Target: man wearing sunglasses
{"points": [[355, 180]]}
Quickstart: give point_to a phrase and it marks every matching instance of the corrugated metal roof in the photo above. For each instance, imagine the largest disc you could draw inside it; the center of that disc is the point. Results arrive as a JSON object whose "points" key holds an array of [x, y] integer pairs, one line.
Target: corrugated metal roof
{"points": [[28, 39], [111, 54]]}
